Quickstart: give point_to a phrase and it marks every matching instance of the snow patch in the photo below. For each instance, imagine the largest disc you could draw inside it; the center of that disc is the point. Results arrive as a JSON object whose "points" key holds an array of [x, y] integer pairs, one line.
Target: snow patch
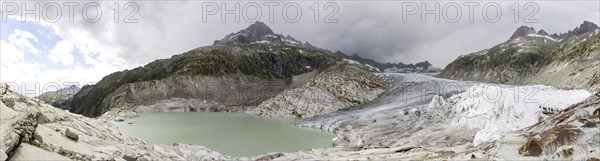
{"points": [[272, 36], [290, 41], [261, 42], [547, 37], [372, 68], [236, 35], [351, 61]]}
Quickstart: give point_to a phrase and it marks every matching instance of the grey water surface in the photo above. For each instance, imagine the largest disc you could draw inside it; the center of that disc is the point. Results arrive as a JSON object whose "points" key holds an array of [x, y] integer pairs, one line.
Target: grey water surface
{"points": [[234, 134]]}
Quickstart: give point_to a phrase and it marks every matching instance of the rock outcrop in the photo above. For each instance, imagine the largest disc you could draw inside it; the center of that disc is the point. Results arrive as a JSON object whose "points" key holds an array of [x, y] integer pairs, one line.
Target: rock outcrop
{"points": [[334, 88], [374, 66]]}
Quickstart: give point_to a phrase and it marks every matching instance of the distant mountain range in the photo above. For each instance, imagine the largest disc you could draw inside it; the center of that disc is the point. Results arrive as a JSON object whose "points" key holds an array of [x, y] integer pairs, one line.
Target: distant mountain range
{"points": [[60, 97], [375, 66], [260, 33]]}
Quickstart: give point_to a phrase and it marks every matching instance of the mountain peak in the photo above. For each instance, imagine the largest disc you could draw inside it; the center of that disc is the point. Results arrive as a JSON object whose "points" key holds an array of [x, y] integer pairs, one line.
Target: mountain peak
{"points": [[543, 33], [523, 31], [258, 33], [258, 29], [586, 26]]}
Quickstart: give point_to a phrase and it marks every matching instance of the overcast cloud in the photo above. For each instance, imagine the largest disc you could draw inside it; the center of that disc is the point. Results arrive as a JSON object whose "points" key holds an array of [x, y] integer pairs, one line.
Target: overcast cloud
{"points": [[88, 51]]}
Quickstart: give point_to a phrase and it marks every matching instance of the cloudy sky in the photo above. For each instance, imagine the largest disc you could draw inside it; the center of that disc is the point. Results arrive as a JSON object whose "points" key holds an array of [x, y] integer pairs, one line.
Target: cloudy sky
{"points": [[83, 49]]}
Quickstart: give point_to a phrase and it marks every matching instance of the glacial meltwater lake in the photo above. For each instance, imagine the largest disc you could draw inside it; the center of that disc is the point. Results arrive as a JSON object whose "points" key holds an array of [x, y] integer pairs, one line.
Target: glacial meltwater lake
{"points": [[234, 134]]}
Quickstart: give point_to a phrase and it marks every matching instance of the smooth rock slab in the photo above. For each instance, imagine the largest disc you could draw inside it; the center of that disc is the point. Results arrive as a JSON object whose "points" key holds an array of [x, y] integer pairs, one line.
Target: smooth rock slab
{"points": [[30, 152]]}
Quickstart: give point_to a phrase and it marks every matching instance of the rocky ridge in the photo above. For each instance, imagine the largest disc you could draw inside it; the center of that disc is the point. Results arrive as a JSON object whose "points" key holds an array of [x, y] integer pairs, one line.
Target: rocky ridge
{"points": [[259, 33], [374, 66], [59, 98], [533, 58], [334, 88]]}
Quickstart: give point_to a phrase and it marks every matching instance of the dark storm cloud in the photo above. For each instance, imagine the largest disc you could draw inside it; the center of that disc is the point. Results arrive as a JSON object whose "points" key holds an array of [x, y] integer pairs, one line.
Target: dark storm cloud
{"points": [[376, 30], [373, 29]]}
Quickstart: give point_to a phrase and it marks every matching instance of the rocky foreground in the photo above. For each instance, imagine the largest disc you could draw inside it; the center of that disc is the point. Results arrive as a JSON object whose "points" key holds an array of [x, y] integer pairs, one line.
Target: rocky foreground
{"points": [[32, 130]]}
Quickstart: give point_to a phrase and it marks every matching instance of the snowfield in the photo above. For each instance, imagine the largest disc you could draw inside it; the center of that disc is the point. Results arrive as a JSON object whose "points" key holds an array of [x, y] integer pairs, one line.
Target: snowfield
{"points": [[547, 37]]}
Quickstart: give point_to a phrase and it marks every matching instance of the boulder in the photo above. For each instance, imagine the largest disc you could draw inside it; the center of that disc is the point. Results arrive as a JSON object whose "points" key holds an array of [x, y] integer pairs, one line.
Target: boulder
{"points": [[71, 134]]}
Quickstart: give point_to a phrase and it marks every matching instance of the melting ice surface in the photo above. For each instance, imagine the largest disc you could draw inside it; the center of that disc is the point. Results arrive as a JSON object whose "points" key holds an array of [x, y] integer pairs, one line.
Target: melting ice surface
{"points": [[234, 134]]}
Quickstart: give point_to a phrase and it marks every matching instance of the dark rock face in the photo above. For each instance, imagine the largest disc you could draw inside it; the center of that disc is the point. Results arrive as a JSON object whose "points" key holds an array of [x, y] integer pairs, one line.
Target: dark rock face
{"points": [[522, 31], [542, 32], [258, 29], [585, 27]]}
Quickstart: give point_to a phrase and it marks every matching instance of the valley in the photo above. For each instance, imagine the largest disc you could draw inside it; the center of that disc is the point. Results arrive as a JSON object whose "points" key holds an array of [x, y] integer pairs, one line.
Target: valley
{"points": [[533, 97]]}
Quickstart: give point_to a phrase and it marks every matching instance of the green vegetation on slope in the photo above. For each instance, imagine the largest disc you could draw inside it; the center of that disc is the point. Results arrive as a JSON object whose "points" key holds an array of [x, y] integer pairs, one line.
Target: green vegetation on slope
{"points": [[572, 51], [510, 58], [252, 61]]}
